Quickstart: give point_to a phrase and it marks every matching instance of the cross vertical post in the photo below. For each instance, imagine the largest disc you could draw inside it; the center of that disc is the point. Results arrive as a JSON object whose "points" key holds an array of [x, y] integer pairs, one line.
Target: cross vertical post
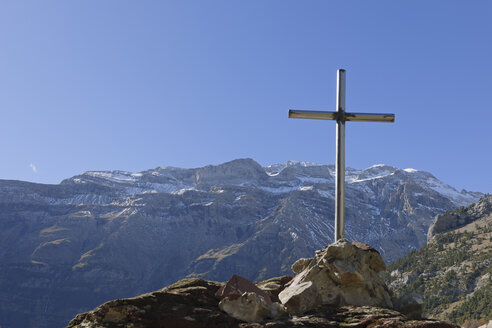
{"points": [[341, 117], [340, 158]]}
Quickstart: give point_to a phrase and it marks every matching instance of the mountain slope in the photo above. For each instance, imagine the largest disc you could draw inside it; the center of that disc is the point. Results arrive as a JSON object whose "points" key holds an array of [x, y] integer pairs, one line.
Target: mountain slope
{"points": [[454, 270], [103, 235]]}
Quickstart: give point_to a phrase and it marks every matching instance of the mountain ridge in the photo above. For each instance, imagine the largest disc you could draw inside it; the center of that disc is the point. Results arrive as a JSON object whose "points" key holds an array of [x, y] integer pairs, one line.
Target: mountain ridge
{"points": [[234, 172], [98, 236]]}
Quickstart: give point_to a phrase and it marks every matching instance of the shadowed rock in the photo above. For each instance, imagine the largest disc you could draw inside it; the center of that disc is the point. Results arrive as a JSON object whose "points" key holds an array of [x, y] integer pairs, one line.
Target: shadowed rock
{"points": [[237, 286]]}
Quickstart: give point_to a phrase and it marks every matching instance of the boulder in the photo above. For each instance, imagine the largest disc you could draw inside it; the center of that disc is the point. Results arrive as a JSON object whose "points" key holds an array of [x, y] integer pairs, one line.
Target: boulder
{"points": [[237, 286], [343, 274], [300, 298], [274, 286], [243, 300], [249, 307]]}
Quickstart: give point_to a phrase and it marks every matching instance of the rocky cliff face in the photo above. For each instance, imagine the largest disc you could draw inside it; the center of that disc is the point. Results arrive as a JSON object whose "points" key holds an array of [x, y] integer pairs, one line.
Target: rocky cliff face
{"points": [[454, 270], [103, 235], [460, 217]]}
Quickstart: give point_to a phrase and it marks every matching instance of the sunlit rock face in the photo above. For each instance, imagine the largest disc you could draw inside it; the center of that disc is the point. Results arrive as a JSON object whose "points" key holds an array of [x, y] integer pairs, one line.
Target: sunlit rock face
{"points": [[341, 274], [460, 217], [102, 235]]}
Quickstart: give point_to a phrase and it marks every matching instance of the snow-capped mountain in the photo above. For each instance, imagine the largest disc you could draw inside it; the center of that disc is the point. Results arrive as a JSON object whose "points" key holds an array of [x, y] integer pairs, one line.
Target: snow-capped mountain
{"points": [[275, 178], [101, 235]]}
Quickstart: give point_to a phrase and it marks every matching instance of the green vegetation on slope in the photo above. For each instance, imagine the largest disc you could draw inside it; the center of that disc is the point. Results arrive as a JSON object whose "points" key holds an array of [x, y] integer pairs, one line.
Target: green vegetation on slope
{"points": [[453, 273], [477, 307]]}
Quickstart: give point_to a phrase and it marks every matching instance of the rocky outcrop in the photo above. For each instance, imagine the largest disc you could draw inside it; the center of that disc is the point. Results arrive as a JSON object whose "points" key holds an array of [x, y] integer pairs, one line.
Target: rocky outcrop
{"points": [[192, 304], [460, 217], [448, 221], [243, 300], [341, 274]]}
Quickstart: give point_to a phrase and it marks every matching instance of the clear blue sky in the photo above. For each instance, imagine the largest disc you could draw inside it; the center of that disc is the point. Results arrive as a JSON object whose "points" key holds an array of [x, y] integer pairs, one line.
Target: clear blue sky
{"points": [[132, 85]]}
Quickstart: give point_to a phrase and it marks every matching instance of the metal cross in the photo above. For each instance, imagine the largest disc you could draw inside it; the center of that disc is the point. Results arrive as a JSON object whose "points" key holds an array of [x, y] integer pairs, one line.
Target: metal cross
{"points": [[341, 117]]}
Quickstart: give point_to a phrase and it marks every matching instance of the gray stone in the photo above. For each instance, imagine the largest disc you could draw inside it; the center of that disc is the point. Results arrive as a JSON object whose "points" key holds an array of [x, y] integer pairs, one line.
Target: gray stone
{"points": [[300, 298], [249, 307]]}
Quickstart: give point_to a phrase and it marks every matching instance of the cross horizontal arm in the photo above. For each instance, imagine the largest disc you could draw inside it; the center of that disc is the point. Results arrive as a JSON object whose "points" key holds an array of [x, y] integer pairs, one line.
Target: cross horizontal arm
{"points": [[356, 117], [369, 117], [312, 114]]}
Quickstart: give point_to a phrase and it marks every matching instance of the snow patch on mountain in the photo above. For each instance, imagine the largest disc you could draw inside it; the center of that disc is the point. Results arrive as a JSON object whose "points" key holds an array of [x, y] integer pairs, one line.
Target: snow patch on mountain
{"points": [[279, 178], [275, 169]]}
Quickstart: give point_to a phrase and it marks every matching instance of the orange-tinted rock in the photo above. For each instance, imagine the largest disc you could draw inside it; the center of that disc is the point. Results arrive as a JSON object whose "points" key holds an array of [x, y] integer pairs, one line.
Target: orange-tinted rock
{"points": [[363, 246]]}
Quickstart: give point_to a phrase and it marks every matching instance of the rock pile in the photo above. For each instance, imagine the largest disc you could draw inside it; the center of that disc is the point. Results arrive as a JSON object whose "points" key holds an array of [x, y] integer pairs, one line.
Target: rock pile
{"points": [[338, 287], [243, 300], [191, 303], [341, 274]]}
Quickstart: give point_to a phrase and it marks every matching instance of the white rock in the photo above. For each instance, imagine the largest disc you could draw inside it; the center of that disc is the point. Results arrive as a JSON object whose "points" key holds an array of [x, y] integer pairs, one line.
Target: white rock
{"points": [[300, 298]]}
